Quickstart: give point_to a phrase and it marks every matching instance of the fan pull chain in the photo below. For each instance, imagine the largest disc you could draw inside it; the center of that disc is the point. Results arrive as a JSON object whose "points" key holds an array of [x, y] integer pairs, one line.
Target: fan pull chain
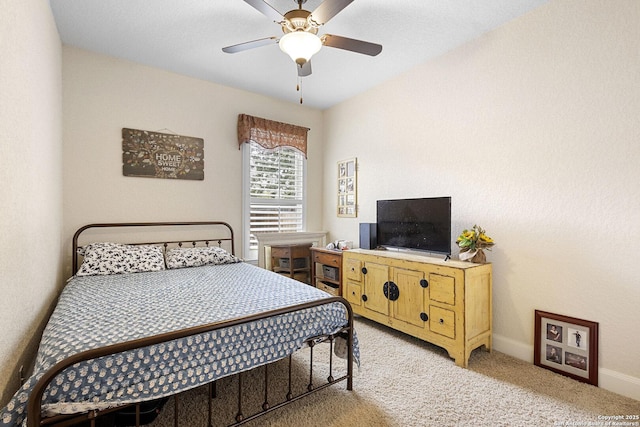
{"points": [[299, 88]]}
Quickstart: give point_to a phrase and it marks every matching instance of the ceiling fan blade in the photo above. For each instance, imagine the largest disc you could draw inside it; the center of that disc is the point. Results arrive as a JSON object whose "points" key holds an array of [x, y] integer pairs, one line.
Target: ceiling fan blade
{"points": [[359, 46], [250, 45], [266, 9], [305, 70], [328, 9]]}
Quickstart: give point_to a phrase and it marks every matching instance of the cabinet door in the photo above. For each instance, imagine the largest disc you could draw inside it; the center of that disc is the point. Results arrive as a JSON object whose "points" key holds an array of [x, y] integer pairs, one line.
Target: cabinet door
{"points": [[373, 293], [411, 299]]}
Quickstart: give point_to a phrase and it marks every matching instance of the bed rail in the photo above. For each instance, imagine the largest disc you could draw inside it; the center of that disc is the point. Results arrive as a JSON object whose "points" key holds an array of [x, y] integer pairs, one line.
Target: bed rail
{"points": [[224, 229], [34, 417]]}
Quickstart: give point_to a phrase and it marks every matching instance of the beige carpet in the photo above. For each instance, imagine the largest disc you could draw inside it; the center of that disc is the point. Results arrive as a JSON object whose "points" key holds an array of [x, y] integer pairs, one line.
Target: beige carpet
{"points": [[403, 381]]}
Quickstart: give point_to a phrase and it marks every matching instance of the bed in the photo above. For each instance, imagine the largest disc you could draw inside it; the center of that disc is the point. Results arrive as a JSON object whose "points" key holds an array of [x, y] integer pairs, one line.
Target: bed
{"points": [[145, 321]]}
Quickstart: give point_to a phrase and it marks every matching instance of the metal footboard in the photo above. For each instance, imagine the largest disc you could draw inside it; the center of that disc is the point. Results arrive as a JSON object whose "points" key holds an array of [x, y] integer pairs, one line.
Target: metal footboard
{"points": [[34, 417]]}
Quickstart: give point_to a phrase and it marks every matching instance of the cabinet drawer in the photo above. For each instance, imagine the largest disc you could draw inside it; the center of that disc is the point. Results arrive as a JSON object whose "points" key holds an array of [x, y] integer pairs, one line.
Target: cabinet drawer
{"points": [[442, 289], [328, 287], [293, 251], [442, 321], [353, 269], [327, 259], [353, 293], [278, 252]]}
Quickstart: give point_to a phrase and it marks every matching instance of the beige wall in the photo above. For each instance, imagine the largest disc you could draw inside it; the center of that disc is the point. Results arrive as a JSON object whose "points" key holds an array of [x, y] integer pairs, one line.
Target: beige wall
{"points": [[533, 130], [103, 94], [31, 177]]}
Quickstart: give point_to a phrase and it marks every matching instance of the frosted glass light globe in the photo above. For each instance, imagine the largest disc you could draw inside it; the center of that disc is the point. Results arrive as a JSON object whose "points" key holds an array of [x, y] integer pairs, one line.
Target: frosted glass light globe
{"points": [[300, 45]]}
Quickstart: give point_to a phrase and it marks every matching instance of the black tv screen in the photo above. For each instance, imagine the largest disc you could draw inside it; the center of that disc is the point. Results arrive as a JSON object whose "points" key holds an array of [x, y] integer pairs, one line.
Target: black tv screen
{"points": [[420, 224]]}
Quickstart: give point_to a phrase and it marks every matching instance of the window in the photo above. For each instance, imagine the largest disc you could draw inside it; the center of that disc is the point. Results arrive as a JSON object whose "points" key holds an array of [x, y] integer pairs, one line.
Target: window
{"points": [[274, 158], [274, 189]]}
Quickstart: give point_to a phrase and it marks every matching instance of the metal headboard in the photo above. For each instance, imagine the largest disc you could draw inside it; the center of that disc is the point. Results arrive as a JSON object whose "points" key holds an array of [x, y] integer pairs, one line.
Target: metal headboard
{"points": [[227, 237]]}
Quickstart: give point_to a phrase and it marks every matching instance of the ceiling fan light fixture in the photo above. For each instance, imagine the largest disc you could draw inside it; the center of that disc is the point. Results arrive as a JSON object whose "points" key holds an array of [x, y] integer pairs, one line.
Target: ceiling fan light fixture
{"points": [[300, 46]]}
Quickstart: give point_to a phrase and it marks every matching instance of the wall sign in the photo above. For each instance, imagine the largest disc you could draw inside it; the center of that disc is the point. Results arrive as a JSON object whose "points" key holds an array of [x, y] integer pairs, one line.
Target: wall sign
{"points": [[162, 155]]}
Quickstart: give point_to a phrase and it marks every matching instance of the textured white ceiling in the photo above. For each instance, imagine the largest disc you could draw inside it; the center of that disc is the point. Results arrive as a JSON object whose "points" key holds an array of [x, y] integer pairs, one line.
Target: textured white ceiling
{"points": [[187, 37]]}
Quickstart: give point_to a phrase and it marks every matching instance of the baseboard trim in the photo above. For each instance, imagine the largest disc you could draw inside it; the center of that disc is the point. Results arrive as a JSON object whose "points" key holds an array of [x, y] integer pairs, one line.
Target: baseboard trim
{"points": [[608, 379], [513, 348], [617, 382]]}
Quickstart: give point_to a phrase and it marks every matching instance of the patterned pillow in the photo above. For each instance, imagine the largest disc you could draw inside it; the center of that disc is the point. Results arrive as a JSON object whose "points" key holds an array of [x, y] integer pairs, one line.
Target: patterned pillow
{"points": [[195, 257], [115, 258]]}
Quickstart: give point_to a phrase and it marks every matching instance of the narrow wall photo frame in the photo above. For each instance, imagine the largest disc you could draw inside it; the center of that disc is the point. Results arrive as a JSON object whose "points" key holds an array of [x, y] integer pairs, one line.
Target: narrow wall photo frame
{"points": [[348, 188], [566, 345]]}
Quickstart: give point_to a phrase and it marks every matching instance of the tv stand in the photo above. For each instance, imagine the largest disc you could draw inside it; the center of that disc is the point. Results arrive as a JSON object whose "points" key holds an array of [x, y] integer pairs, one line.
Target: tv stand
{"points": [[447, 303]]}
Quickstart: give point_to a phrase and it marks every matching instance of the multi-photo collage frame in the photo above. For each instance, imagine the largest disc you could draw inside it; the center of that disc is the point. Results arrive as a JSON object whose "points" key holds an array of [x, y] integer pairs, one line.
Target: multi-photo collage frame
{"points": [[567, 345]]}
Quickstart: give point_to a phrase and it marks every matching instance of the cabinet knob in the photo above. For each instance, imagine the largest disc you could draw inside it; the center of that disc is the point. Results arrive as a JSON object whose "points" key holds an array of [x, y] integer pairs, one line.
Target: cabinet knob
{"points": [[424, 317], [442, 321], [364, 298], [364, 270], [424, 283]]}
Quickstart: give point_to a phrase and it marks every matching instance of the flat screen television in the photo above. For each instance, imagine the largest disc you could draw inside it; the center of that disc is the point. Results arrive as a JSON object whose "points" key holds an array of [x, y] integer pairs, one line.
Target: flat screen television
{"points": [[419, 224]]}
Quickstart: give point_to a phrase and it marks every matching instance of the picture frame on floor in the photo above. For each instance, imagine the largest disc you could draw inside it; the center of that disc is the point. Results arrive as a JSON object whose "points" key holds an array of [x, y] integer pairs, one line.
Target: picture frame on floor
{"points": [[566, 345]]}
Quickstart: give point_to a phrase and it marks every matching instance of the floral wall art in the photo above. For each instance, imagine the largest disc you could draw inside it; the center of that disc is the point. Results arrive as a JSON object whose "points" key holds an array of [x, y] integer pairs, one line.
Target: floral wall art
{"points": [[162, 155]]}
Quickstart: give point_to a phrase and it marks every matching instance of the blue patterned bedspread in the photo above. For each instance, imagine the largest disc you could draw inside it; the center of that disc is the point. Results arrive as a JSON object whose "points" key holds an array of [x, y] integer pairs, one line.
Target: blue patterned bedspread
{"points": [[95, 311]]}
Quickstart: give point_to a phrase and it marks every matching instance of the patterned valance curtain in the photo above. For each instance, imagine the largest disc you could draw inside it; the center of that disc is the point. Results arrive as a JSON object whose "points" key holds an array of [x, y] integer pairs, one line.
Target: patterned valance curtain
{"points": [[270, 134]]}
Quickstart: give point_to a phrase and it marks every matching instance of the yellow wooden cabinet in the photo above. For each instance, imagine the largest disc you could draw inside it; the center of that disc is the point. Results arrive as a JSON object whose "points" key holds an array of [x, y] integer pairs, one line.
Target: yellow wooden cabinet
{"points": [[447, 303]]}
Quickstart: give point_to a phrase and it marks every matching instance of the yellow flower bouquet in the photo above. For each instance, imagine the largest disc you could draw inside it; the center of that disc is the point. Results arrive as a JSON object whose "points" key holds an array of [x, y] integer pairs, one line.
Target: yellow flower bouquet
{"points": [[472, 244]]}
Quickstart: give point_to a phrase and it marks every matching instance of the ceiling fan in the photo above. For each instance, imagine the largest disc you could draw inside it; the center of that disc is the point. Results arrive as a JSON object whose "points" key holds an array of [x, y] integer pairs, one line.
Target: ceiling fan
{"points": [[300, 27]]}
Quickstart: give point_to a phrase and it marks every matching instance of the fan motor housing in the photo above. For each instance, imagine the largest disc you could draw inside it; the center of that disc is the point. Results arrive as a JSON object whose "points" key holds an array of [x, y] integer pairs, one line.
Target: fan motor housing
{"points": [[298, 20]]}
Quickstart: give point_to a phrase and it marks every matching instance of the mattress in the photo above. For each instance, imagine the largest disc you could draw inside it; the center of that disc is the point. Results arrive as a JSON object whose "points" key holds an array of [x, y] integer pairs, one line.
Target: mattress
{"points": [[96, 311]]}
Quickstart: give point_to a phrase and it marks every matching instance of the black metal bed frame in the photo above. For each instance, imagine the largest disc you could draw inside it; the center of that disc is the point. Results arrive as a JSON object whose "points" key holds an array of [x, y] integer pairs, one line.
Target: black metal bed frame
{"points": [[34, 417], [164, 243]]}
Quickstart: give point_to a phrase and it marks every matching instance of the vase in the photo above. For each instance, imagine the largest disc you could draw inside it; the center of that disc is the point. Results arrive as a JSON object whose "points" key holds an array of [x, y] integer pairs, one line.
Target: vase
{"points": [[478, 256]]}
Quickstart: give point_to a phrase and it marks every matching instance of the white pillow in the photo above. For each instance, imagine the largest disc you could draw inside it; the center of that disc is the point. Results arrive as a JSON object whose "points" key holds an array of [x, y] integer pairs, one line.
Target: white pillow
{"points": [[115, 258], [198, 256]]}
